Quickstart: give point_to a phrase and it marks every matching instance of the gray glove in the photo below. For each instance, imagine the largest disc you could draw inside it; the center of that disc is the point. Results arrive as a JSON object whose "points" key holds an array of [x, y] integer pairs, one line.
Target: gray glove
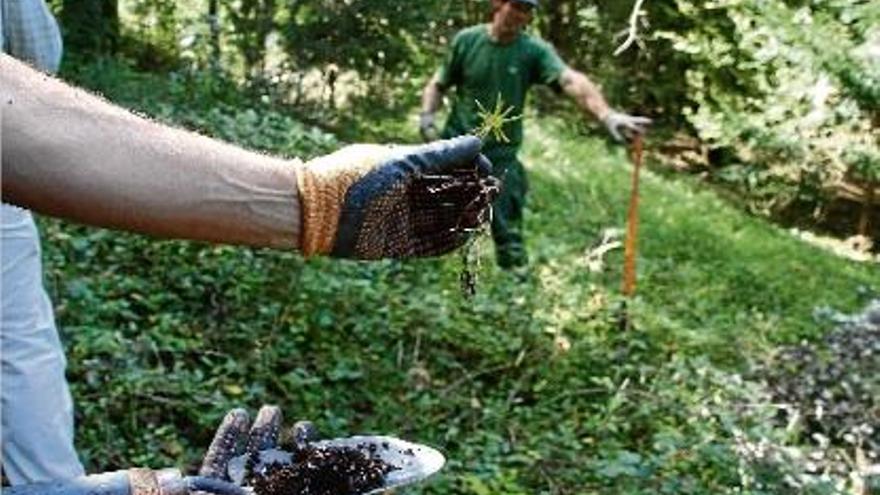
{"points": [[237, 436], [427, 128], [623, 126], [235, 430]]}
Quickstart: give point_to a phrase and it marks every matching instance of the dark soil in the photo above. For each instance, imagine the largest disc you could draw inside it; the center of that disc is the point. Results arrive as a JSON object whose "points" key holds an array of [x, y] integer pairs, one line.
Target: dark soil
{"points": [[323, 471]]}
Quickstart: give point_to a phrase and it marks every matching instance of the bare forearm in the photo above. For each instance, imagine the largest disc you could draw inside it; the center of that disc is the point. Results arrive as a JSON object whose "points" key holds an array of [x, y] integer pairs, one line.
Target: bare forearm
{"points": [[585, 93], [70, 154], [432, 96]]}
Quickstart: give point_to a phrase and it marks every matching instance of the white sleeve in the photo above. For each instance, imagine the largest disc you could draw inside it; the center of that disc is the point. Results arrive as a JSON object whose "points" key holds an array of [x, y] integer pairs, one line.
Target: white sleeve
{"points": [[2, 45], [30, 33]]}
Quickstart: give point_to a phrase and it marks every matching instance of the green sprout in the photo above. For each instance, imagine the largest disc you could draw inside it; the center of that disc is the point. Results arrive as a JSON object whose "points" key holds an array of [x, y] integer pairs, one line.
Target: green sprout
{"points": [[494, 120]]}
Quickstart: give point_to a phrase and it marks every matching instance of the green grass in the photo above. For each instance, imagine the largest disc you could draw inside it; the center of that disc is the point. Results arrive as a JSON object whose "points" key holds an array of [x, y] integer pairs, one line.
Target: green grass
{"points": [[527, 388], [727, 279]]}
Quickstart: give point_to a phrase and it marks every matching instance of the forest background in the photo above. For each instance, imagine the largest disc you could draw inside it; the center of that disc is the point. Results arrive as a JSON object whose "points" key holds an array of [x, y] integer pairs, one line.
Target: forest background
{"points": [[766, 134]]}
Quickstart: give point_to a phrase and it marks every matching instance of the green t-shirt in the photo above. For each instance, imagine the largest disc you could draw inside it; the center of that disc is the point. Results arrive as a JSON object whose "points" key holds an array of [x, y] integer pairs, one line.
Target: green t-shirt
{"points": [[480, 69]]}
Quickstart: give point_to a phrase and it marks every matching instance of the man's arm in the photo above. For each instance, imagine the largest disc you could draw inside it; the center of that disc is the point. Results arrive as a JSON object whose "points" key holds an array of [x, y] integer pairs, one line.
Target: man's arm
{"points": [[584, 92], [432, 96], [71, 154], [68, 153], [589, 97], [432, 100]]}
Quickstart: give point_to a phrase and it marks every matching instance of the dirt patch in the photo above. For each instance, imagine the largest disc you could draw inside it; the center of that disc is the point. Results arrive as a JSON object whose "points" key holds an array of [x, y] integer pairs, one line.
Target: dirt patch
{"points": [[323, 471]]}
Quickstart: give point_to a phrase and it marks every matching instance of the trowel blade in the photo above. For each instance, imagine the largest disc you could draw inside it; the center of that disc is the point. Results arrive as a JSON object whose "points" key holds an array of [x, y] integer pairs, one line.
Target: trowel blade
{"points": [[414, 462]]}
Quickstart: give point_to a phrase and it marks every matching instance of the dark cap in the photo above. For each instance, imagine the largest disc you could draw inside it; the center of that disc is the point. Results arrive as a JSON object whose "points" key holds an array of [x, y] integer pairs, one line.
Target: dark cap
{"points": [[533, 3]]}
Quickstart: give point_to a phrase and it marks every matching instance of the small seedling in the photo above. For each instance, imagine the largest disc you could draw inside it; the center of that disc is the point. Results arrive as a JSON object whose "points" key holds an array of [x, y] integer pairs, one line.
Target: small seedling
{"points": [[493, 122], [479, 211]]}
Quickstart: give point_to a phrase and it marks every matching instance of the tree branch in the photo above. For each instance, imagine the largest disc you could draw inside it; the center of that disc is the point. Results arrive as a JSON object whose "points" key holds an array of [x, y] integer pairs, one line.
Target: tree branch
{"points": [[632, 31]]}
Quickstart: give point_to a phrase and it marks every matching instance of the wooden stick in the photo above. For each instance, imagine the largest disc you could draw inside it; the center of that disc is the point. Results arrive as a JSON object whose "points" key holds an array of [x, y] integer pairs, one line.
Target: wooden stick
{"points": [[632, 223]]}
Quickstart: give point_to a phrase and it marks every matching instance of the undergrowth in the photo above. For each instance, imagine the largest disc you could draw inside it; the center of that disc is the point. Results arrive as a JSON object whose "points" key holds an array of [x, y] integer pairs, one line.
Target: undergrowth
{"points": [[526, 387]]}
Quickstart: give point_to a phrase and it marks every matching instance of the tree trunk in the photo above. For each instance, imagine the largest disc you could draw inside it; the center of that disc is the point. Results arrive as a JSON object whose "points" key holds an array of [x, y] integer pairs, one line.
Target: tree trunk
{"points": [[214, 26], [552, 13], [90, 26], [265, 27], [864, 228], [476, 12], [253, 22]]}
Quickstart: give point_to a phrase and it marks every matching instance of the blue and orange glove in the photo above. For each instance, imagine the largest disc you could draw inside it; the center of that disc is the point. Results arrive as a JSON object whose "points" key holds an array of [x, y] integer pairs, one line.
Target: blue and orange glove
{"points": [[373, 201]]}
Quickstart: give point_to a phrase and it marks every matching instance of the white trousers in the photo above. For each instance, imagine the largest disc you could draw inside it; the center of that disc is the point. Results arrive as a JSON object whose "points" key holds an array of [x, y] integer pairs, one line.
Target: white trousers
{"points": [[37, 410]]}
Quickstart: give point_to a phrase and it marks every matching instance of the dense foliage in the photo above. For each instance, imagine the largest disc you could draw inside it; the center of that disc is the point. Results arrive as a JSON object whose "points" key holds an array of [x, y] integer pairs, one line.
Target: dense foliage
{"points": [[527, 388], [784, 114], [795, 113], [831, 402]]}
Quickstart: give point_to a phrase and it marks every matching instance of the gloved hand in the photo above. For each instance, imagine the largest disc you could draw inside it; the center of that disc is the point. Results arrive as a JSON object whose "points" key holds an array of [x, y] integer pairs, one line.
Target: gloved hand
{"points": [[623, 126], [427, 128], [235, 432], [374, 201]]}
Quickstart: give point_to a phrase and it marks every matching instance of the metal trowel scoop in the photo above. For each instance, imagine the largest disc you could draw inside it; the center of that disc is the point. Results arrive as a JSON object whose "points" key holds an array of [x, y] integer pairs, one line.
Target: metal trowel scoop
{"points": [[413, 462]]}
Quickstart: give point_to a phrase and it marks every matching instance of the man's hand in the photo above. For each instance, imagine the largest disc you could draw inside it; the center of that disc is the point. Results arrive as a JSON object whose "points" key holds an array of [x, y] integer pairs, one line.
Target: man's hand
{"points": [[622, 126], [236, 436], [236, 430], [372, 201], [427, 127]]}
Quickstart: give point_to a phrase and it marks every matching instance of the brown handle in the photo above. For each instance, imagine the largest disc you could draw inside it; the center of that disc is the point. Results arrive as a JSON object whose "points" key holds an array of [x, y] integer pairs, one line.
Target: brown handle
{"points": [[632, 221]]}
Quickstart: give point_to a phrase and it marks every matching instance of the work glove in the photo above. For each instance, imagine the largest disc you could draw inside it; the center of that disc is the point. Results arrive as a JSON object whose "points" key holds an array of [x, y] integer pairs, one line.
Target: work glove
{"points": [[623, 126], [237, 436], [427, 128], [373, 201]]}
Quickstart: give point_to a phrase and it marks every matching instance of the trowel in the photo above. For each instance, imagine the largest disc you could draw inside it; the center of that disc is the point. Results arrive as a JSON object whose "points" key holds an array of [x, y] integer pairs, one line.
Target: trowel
{"points": [[412, 462]]}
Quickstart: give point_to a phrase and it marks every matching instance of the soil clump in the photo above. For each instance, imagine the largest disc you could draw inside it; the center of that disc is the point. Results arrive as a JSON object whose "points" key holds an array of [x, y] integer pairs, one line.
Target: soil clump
{"points": [[323, 471]]}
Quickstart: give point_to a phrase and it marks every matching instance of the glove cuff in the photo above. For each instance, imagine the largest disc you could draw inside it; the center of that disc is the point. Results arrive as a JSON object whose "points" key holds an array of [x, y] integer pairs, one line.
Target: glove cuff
{"points": [[323, 183], [312, 236], [610, 115]]}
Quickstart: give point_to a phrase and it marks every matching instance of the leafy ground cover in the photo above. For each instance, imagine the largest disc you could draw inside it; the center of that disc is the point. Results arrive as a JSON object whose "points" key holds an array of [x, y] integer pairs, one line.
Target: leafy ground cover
{"points": [[527, 387]]}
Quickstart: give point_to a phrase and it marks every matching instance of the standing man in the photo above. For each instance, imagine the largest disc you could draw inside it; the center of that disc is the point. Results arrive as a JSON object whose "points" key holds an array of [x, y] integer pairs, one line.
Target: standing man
{"points": [[496, 62], [37, 414]]}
